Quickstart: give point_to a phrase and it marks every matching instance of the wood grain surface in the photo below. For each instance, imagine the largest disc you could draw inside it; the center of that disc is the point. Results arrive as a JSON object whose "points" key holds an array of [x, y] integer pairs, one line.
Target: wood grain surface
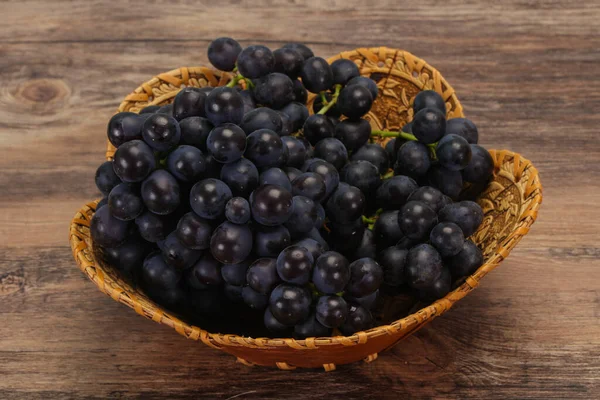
{"points": [[527, 72]]}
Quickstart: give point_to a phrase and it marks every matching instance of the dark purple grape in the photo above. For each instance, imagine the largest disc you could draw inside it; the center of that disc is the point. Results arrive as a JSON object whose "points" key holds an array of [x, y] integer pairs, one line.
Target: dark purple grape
{"points": [[447, 238], [318, 127], [186, 163], [466, 214], [375, 154], [153, 227], [161, 132], [124, 201], [241, 177], [393, 193], [311, 328], [248, 99], [223, 105], [316, 235], [333, 151], [272, 324], [315, 248], [344, 70], [209, 197], [386, 230], [423, 266], [450, 183], [328, 172], [298, 113], [261, 118], [481, 167], [207, 270], [290, 304], [300, 93], [254, 299], [288, 61], [366, 82], [274, 90], [264, 148], [366, 247], [331, 273], [156, 274], [271, 205], [462, 127], [292, 173], [105, 178], [416, 220], [106, 230], [390, 149], [316, 75], [393, 262], [255, 61], [355, 101], [269, 241], [407, 243], [213, 168], [304, 51], [189, 102], [161, 193], [167, 110], [294, 265], [124, 127], [412, 160], [223, 53], [237, 210], [286, 125], [429, 125], [296, 151], [346, 204], [453, 152], [231, 243], [359, 319], [365, 277], [149, 110], [194, 232], [467, 261], [235, 274], [429, 99], [226, 143], [331, 311], [133, 161], [430, 196], [304, 216], [262, 275], [353, 133], [194, 131], [311, 185], [440, 287], [128, 257], [176, 254], [363, 175], [275, 176]]}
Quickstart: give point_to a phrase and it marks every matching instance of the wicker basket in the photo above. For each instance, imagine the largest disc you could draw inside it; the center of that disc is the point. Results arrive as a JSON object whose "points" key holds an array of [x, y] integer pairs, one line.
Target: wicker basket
{"points": [[510, 203]]}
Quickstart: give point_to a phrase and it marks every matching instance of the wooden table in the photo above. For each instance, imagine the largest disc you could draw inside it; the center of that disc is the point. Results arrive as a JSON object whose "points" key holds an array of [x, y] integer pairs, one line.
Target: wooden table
{"points": [[527, 72]]}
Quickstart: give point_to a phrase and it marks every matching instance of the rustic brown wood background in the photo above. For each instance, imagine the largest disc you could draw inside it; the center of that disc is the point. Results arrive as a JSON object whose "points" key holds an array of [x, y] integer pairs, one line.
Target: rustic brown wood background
{"points": [[527, 72]]}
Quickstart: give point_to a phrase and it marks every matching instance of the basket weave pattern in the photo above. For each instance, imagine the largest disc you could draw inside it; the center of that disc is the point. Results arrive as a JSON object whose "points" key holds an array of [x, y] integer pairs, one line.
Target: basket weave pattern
{"points": [[510, 204]]}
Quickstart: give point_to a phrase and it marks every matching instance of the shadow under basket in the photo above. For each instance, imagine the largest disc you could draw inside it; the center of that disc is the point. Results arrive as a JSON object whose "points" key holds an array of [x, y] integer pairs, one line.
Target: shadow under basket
{"points": [[510, 204]]}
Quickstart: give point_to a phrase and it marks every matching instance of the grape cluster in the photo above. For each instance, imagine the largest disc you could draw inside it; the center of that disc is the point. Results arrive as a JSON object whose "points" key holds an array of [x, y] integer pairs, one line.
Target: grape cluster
{"points": [[237, 198]]}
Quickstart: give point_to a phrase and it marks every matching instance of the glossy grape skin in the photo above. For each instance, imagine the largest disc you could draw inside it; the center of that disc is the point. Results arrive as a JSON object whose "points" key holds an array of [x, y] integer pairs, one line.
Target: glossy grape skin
{"points": [[275, 176], [453, 152], [331, 272], [332, 112], [105, 178], [161, 132], [157, 274], [416, 220], [264, 148], [375, 154], [223, 105], [390, 149], [262, 275], [450, 183], [231, 243], [331, 311], [235, 274], [303, 217], [412, 160], [300, 93], [318, 127], [423, 266], [124, 201], [223, 53], [273, 325], [124, 127], [304, 51], [195, 131], [346, 204], [467, 261], [186, 163], [254, 299], [311, 185], [248, 99], [255, 61], [394, 192], [207, 270], [290, 304], [365, 277], [358, 319], [310, 327], [209, 197], [241, 177], [271, 205], [393, 262], [429, 125], [286, 125], [429, 99], [269, 241], [288, 61], [153, 227], [363, 175], [481, 167], [447, 238], [298, 113], [344, 70], [189, 102], [466, 214], [226, 143], [333, 151], [315, 248], [294, 265], [237, 210], [328, 172], [355, 101], [292, 173], [439, 288], [296, 151], [462, 127], [366, 82], [353, 133], [386, 229], [316, 75], [274, 90], [430, 196], [149, 110], [160, 192], [176, 254], [366, 247], [106, 230], [133, 161], [194, 232], [261, 118]]}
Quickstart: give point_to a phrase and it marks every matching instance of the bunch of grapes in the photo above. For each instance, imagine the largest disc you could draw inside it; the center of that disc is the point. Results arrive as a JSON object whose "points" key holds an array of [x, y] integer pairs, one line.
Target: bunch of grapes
{"points": [[236, 198]]}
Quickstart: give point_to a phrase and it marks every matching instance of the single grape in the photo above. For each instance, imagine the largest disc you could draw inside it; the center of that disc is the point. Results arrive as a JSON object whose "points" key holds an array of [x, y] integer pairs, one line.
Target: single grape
{"points": [[262, 275], [235, 274], [439, 288], [300, 48], [331, 272], [467, 215], [223, 53], [453, 152], [311, 328], [318, 104], [161, 132], [393, 262], [226, 143], [300, 93], [467, 261], [124, 201], [254, 299], [128, 257], [176, 254], [366, 82], [363, 175], [412, 160], [149, 110], [429, 125], [241, 177], [296, 151], [269, 241], [481, 167], [189, 102], [390, 147], [231, 243], [288, 61], [328, 172], [394, 192], [354, 133], [255, 61], [290, 304], [331, 311], [248, 99], [365, 277], [316, 75], [346, 204], [194, 131], [186, 163], [447, 238], [317, 127], [124, 127], [106, 230], [359, 319], [237, 210], [423, 266], [333, 151], [209, 197], [261, 118], [271, 205], [429, 99], [366, 247], [275, 176], [223, 105], [416, 220], [154, 227], [450, 183], [161, 193], [294, 265], [133, 161], [207, 270], [430, 196], [157, 274], [275, 90], [355, 101], [264, 148], [462, 127], [344, 70], [298, 113], [386, 230], [375, 154], [292, 173], [311, 185], [272, 324], [315, 248], [105, 178], [304, 216], [194, 232]]}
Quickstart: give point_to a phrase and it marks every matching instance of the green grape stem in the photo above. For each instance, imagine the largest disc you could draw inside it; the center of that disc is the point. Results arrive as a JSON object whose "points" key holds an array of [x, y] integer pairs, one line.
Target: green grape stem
{"points": [[367, 220], [403, 135], [331, 103]]}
